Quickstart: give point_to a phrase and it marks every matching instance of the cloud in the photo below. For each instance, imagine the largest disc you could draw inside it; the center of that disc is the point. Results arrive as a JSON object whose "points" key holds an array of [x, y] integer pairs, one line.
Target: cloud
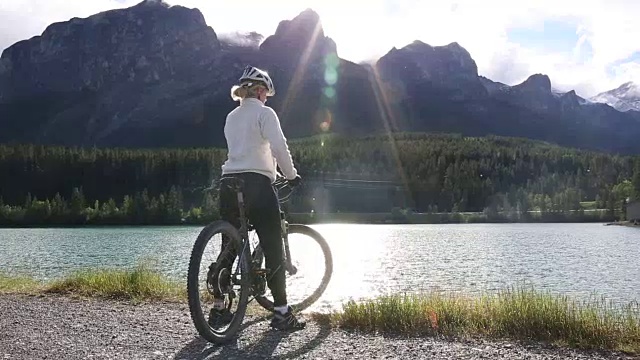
{"points": [[602, 57], [252, 39], [507, 65], [605, 33]]}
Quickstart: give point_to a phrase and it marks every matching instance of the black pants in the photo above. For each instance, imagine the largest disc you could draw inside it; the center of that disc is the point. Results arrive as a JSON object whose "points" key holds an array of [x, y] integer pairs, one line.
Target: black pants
{"points": [[263, 212]]}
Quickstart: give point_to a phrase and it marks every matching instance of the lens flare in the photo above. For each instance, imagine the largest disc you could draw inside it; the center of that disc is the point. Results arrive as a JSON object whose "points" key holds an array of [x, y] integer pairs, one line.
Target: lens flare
{"points": [[329, 92], [331, 76], [325, 118], [331, 62], [301, 68], [383, 100]]}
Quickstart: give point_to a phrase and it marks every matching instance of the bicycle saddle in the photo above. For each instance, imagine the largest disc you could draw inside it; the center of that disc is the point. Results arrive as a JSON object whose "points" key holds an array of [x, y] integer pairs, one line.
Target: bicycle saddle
{"points": [[232, 182]]}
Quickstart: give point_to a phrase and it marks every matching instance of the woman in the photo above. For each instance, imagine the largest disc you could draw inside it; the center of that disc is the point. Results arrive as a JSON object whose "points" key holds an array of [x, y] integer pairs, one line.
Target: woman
{"points": [[256, 145]]}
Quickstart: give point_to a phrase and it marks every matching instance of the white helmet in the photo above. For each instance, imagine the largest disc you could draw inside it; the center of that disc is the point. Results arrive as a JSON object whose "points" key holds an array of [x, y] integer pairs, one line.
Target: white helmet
{"points": [[254, 74]]}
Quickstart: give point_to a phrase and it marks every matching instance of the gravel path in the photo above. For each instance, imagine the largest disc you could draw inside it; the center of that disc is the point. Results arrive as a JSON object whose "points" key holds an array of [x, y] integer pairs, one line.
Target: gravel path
{"points": [[53, 327]]}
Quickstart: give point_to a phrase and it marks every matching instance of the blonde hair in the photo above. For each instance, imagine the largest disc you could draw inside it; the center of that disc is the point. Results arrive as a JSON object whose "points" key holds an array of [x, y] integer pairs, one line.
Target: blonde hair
{"points": [[245, 90]]}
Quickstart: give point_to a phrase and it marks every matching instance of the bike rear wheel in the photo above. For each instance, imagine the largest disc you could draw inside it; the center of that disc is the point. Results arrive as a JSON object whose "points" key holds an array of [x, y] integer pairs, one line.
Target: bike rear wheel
{"points": [[301, 234], [237, 280]]}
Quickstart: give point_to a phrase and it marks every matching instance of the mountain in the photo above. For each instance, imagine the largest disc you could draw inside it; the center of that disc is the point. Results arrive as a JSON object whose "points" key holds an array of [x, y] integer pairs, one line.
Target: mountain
{"points": [[624, 98], [449, 68], [438, 89], [122, 77], [155, 75]]}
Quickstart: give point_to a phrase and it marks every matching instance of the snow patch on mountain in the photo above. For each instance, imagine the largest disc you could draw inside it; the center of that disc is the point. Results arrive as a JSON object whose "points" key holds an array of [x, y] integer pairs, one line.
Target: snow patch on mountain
{"points": [[624, 98]]}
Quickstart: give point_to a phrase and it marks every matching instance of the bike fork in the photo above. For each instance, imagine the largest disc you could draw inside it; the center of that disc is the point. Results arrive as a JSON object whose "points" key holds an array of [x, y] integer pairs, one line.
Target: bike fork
{"points": [[291, 269]]}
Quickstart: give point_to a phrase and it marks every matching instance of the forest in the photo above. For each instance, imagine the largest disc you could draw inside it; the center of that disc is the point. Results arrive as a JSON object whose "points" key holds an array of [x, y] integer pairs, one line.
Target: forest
{"points": [[423, 173]]}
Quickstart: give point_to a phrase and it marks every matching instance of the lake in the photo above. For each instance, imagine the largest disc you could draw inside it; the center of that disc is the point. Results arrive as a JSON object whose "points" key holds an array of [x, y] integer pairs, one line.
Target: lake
{"points": [[581, 260]]}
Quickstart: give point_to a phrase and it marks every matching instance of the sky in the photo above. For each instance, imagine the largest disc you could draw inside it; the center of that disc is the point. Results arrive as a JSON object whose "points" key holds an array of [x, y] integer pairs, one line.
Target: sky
{"points": [[586, 45]]}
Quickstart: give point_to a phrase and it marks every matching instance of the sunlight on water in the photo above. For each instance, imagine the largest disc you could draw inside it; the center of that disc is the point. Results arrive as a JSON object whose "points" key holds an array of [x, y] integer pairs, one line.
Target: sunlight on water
{"points": [[358, 255], [369, 260]]}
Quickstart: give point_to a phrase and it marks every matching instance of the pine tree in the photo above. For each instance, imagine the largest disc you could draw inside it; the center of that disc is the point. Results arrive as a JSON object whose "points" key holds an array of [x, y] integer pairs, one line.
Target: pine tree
{"points": [[636, 180], [210, 207], [128, 208], [28, 201], [77, 201], [58, 206], [174, 205], [47, 207]]}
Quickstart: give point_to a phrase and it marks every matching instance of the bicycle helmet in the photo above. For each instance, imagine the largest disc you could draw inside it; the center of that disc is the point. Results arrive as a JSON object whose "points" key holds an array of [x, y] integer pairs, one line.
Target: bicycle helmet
{"points": [[252, 73]]}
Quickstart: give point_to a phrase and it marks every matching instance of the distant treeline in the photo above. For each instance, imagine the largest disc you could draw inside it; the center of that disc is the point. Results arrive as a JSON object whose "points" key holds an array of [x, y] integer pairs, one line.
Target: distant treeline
{"points": [[429, 173]]}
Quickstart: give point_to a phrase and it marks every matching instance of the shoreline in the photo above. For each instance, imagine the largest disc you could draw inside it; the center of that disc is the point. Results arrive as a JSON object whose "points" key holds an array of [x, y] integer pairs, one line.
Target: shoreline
{"points": [[451, 218], [624, 223], [512, 314], [388, 218]]}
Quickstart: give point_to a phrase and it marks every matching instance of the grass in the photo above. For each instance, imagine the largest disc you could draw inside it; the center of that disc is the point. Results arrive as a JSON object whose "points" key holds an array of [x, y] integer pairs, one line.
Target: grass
{"points": [[517, 313], [140, 283], [522, 314], [137, 284], [18, 284]]}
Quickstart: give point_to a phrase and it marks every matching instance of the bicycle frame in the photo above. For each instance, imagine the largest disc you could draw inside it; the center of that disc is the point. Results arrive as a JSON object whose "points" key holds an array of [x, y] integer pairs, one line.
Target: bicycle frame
{"points": [[244, 234]]}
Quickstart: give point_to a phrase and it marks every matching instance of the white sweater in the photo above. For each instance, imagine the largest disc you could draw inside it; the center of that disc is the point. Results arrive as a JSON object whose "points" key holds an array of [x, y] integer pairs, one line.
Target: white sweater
{"points": [[256, 142]]}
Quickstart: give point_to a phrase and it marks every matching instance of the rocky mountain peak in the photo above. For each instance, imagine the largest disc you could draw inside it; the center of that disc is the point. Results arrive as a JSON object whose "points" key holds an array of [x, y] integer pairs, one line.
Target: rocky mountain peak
{"points": [[417, 45], [146, 42], [537, 82], [629, 86], [449, 67], [570, 100], [154, 3], [305, 22], [449, 59], [624, 98], [297, 34]]}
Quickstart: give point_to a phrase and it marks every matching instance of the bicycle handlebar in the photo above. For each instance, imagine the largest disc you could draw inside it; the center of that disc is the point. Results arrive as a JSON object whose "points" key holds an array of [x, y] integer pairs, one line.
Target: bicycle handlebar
{"points": [[281, 183], [281, 180]]}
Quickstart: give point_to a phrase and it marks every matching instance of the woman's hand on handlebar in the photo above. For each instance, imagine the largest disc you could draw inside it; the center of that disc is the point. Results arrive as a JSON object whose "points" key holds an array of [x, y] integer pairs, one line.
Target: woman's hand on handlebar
{"points": [[281, 179], [295, 181]]}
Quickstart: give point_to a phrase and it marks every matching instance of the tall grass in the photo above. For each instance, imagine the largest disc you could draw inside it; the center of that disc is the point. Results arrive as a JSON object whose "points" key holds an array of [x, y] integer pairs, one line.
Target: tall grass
{"points": [[521, 313], [140, 283], [18, 284]]}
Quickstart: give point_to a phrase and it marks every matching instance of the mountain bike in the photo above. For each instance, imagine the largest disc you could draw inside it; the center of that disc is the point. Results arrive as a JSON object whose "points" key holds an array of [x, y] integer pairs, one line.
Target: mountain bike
{"points": [[246, 279]]}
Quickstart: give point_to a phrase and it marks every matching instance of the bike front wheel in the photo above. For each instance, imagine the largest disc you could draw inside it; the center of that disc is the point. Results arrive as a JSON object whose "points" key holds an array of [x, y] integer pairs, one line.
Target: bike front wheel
{"points": [[311, 256]]}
